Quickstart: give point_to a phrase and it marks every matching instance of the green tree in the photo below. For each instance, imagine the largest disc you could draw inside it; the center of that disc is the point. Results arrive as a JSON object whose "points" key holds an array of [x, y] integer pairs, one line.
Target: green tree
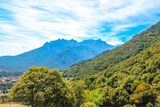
{"points": [[40, 87], [79, 87], [95, 96], [116, 97], [144, 94]]}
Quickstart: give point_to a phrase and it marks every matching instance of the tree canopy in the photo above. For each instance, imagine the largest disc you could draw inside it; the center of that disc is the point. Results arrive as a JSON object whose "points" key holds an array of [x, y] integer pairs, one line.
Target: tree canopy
{"points": [[40, 87]]}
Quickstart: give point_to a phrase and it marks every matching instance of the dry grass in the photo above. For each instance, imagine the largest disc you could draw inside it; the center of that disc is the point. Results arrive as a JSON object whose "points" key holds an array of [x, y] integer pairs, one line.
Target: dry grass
{"points": [[12, 105]]}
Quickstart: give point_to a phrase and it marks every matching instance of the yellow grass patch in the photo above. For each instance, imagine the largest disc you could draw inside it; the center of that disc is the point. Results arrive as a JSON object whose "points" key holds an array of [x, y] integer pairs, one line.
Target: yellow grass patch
{"points": [[12, 105]]}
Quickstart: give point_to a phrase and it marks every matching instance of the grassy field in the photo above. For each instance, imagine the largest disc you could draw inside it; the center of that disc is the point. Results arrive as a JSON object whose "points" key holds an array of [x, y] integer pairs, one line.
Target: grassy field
{"points": [[12, 105]]}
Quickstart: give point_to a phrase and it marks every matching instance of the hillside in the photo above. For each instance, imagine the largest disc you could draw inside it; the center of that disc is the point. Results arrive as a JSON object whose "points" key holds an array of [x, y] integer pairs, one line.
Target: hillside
{"points": [[144, 66], [55, 54], [133, 81], [109, 58]]}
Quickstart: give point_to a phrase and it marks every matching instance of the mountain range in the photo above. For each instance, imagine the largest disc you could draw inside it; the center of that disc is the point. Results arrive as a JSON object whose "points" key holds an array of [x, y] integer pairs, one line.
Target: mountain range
{"points": [[58, 54]]}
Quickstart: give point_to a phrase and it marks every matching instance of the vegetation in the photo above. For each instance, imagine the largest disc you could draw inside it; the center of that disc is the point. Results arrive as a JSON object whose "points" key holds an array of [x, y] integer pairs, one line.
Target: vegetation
{"points": [[41, 87], [5, 87], [133, 81], [110, 58]]}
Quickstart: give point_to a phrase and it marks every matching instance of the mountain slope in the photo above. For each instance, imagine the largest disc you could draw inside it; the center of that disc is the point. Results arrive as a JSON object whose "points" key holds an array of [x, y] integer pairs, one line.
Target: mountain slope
{"points": [[107, 59], [146, 63], [55, 54], [135, 81]]}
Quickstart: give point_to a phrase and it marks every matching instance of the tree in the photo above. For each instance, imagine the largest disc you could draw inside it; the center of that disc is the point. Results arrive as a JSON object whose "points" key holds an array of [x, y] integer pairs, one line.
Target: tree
{"points": [[144, 94], [78, 87], [40, 87], [94, 96], [116, 97]]}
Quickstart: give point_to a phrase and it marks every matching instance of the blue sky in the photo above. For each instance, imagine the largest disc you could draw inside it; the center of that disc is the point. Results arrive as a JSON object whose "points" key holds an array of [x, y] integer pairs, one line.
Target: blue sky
{"points": [[28, 24]]}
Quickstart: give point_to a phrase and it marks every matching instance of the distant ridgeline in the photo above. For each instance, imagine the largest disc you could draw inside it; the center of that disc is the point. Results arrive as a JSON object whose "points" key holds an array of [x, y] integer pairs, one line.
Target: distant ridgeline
{"points": [[55, 54], [110, 58]]}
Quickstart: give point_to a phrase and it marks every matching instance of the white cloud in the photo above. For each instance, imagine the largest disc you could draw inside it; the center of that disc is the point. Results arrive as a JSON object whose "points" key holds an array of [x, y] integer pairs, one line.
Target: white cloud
{"points": [[38, 21]]}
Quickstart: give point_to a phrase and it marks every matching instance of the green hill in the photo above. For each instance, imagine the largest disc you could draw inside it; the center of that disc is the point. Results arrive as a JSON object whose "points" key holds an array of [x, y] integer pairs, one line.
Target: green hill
{"points": [[132, 81], [144, 66], [109, 58]]}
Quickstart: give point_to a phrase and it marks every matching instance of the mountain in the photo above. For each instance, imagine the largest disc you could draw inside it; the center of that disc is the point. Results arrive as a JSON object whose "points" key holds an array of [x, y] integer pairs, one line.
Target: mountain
{"points": [[59, 54], [110, 58]]}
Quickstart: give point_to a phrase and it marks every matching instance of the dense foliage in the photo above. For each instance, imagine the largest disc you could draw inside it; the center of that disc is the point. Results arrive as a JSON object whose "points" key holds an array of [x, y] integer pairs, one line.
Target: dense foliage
{"points": [[134, 81], [107, 59], [41, 87]]}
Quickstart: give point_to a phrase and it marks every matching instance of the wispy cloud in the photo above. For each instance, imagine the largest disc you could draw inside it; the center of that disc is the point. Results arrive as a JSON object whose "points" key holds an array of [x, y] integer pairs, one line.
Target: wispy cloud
{"points": [[27, 24]]}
